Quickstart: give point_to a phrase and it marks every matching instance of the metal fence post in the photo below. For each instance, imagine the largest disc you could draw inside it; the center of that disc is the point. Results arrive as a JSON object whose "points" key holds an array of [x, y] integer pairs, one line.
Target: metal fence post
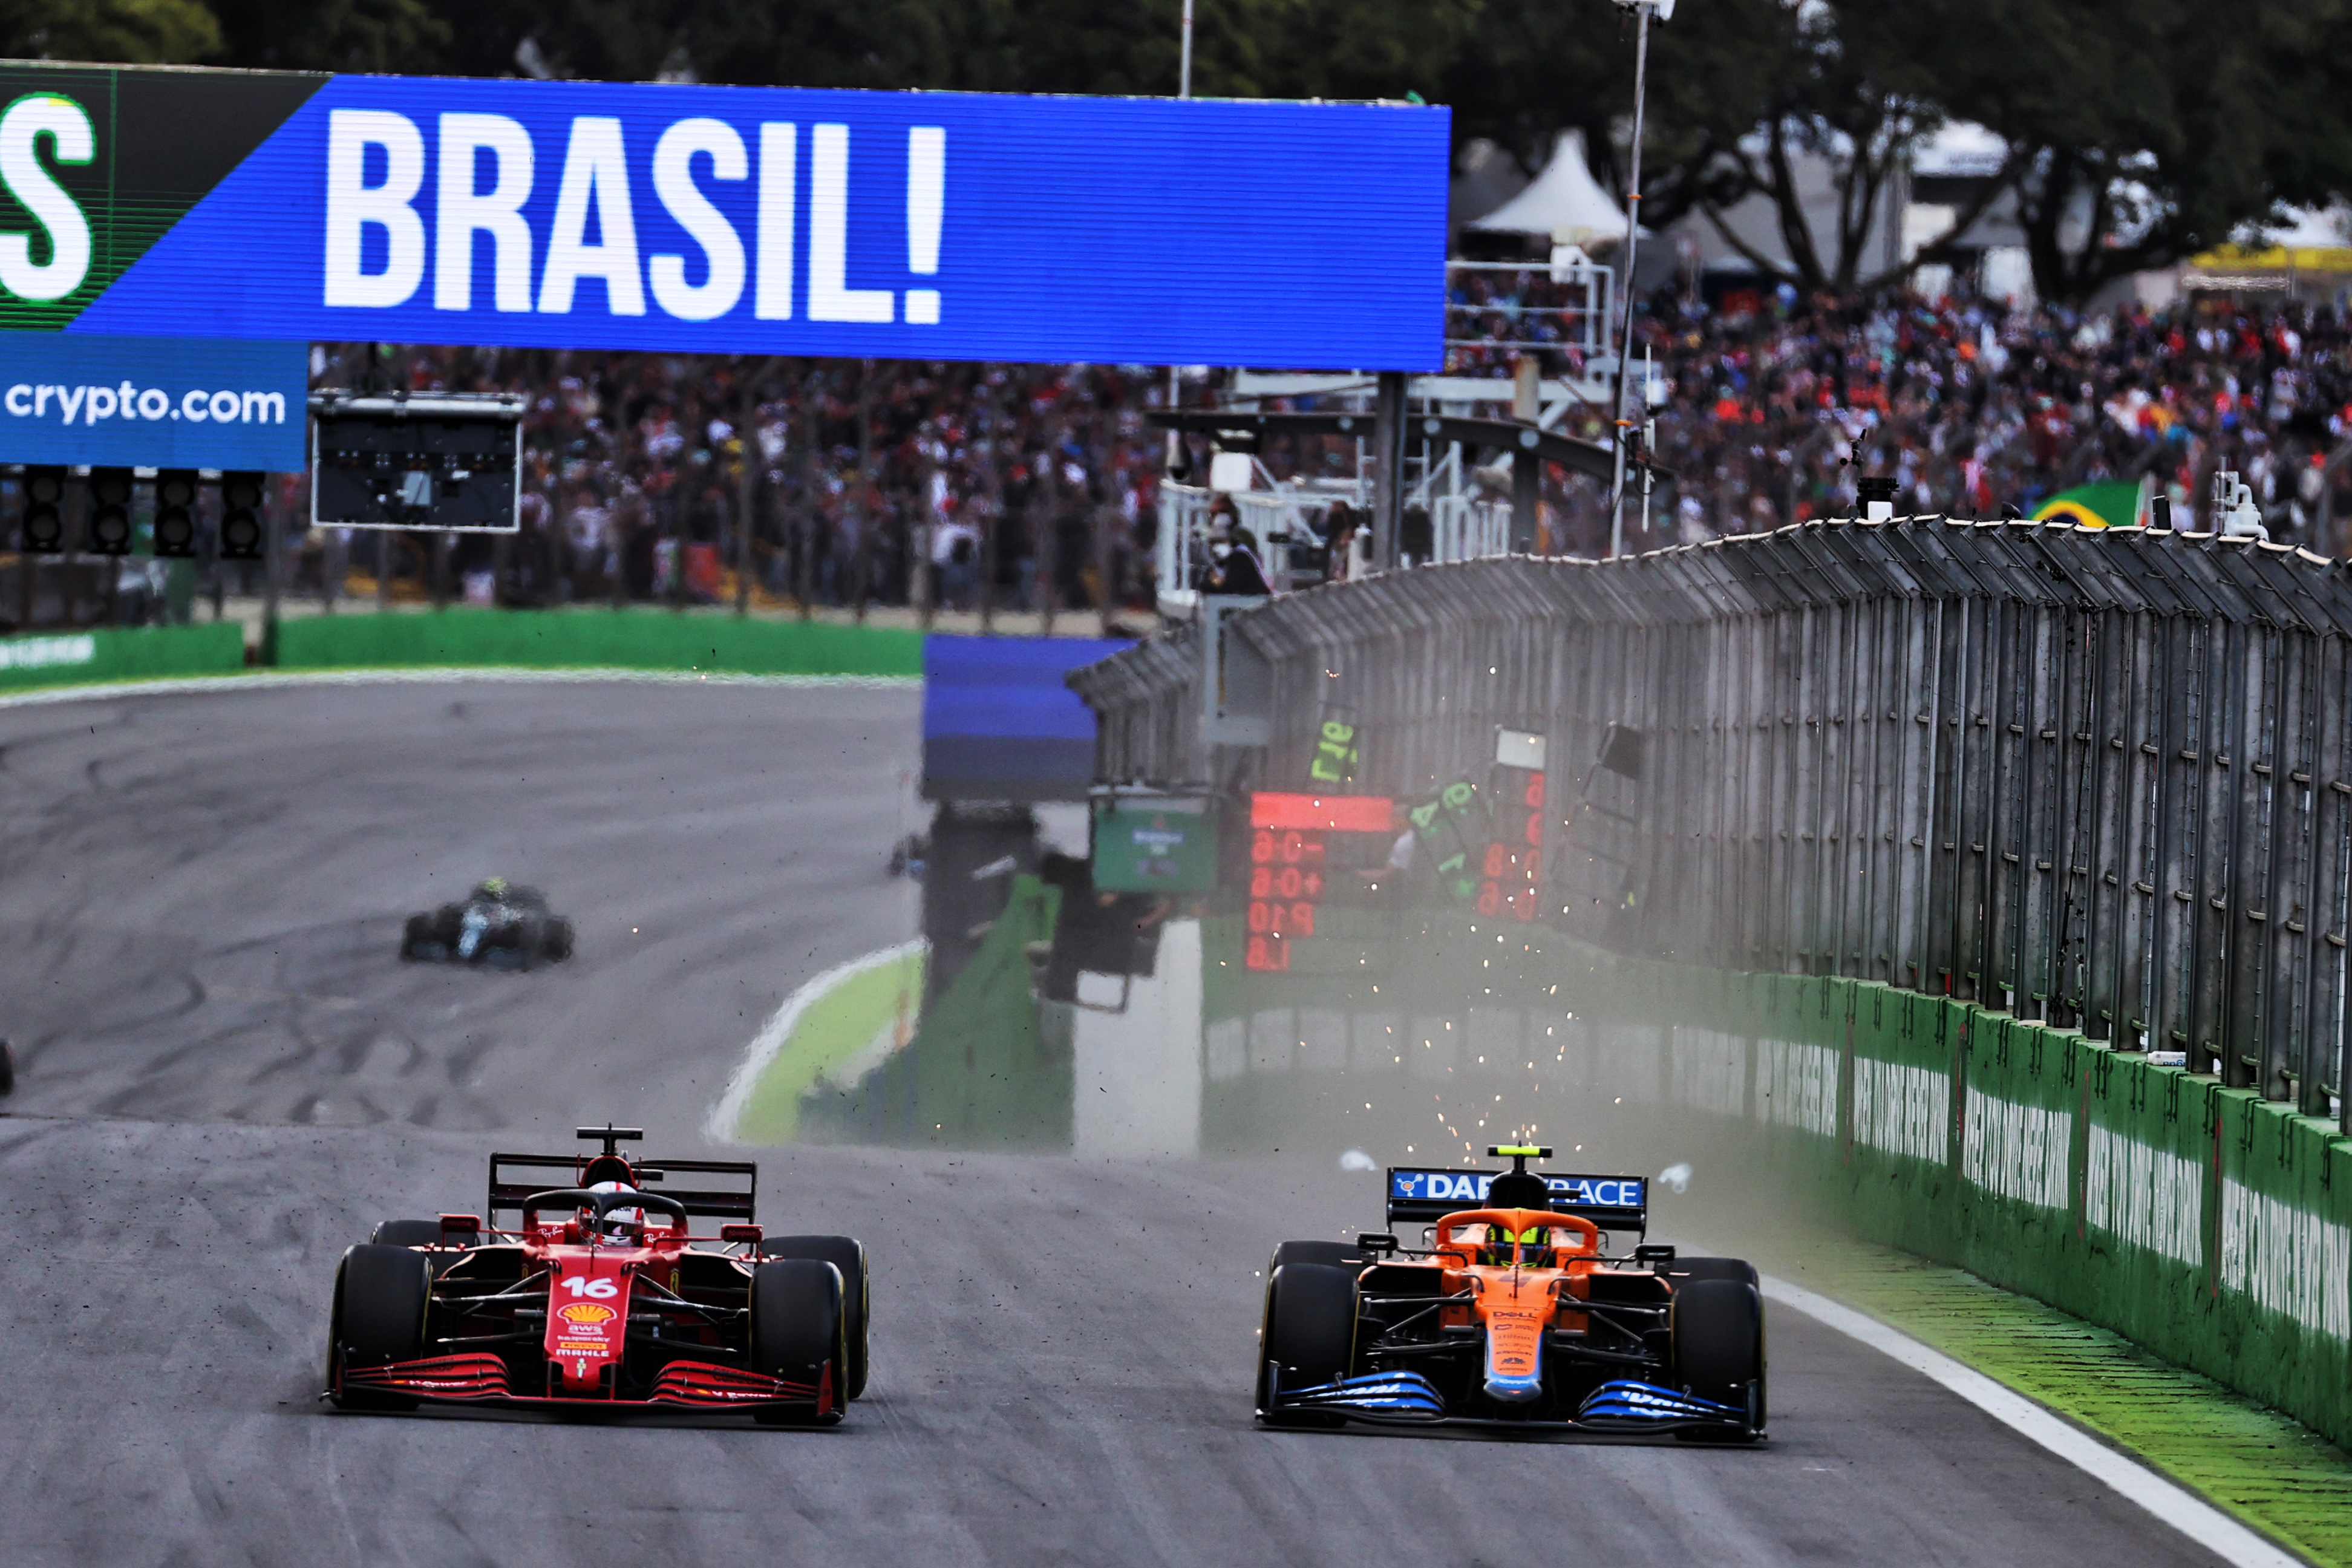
{"points": [[1388, 468]]}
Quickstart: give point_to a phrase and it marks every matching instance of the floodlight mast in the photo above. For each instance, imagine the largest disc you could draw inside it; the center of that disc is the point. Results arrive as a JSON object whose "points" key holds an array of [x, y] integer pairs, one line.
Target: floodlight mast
{"points": [[1629, 419], [1184, 58]]}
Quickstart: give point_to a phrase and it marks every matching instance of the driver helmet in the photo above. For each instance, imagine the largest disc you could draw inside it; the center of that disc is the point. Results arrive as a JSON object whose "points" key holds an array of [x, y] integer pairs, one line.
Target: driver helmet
{"points": [[623, 1226], [494, 887], [1536, 1240]]}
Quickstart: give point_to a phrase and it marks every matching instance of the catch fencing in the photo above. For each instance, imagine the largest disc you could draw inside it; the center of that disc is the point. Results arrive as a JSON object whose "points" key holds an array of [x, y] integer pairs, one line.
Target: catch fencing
{"points": [[2098, 779]]}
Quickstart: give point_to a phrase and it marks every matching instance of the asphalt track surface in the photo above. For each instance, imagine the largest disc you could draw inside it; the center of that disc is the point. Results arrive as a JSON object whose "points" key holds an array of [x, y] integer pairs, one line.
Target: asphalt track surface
{"points": [[226, 1078]]}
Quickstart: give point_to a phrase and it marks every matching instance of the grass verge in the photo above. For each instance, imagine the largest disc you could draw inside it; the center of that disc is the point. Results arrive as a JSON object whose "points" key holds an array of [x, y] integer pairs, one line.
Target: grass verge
{"points": [[840, 1025], [2267, 1469]]}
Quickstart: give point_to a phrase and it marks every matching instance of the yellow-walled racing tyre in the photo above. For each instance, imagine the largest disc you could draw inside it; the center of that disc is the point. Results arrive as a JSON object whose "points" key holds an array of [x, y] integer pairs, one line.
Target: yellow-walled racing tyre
{"points": [[796, 1328], [849, 1257], [382, 1294], [1719, 1349], [1311, 1335]]}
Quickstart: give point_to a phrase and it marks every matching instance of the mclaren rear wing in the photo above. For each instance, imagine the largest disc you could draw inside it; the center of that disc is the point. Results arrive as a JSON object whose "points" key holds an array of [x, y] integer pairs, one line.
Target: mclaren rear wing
{"points": [[1612, 1203], [716, 1192]]}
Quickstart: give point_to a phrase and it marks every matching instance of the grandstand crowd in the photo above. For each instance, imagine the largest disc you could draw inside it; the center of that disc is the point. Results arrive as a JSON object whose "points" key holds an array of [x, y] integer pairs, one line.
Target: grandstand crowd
{"points": [[1036, 487]]}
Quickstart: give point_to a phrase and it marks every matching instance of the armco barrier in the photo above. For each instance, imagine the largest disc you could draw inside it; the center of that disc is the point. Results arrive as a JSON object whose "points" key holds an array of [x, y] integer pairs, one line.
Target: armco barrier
{"points": [[631, 638], [81, 658]]}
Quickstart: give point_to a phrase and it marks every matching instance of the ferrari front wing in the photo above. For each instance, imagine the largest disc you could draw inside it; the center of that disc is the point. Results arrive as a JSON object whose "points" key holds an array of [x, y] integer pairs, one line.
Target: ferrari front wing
{"points": [[478, 1378]]}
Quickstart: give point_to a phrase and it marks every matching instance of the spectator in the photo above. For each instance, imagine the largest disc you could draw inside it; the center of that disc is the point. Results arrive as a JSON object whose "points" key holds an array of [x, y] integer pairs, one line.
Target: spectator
{"points": [[1970, 405], [1233, 565]]}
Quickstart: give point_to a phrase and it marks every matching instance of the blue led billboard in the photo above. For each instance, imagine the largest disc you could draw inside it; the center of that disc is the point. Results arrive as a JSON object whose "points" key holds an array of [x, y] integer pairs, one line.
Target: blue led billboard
{"points": [[914, 225]]}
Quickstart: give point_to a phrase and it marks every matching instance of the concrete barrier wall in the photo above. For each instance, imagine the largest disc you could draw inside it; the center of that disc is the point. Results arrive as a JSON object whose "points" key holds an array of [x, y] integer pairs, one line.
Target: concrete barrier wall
{"points": [[81, 658], [2207, 1224], [631, 638]]}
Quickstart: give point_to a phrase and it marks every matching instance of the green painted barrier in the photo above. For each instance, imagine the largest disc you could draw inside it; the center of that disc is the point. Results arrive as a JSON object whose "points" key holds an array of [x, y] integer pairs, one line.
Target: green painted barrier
{"points": [[84, 658], [630, 638], [2208, 1224], [980, 1072]]}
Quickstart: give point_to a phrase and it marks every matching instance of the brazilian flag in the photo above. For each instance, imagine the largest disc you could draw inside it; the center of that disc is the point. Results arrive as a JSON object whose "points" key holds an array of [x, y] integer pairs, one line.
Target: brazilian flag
{"points": [[2116, 503]]}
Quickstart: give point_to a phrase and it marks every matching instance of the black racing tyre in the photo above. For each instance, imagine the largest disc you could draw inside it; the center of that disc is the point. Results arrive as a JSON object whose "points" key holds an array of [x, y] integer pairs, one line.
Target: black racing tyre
{"points": [[381, 1296], [857, 1295], [558, 942], [407, 1232], [796, 1325], [1718, 1345], [1330, 1254], [1310, 1328], [417, 936], [7, 1069]]}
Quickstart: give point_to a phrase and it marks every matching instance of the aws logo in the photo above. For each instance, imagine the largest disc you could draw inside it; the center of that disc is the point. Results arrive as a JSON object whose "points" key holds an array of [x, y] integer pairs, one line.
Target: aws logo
{"points": [[65, 126]]}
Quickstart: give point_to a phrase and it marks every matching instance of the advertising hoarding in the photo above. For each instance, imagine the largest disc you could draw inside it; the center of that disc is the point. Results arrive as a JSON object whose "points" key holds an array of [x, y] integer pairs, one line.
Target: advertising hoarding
{"points": [[686, 219], [165, 402], [1147, 843]]}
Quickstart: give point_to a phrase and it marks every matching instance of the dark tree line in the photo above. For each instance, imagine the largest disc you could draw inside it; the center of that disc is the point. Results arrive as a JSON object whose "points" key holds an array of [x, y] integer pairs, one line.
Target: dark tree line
{"points": [[2136, 131]]}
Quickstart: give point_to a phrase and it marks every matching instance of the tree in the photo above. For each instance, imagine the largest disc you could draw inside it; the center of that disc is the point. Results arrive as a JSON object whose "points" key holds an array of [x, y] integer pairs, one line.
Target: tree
{"points": [[132, 32], [2142, 133], [331, 34], [1746, 95], [1526, 71]]}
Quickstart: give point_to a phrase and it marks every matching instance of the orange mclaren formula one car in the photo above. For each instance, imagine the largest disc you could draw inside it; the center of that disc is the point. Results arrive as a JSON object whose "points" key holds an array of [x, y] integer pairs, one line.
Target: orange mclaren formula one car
{"points": [[599, 1300], [1513, 1314]]}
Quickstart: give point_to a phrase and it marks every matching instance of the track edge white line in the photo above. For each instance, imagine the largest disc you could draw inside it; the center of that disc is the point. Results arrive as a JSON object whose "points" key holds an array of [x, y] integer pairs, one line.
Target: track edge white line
{"points": [[417, 675]]}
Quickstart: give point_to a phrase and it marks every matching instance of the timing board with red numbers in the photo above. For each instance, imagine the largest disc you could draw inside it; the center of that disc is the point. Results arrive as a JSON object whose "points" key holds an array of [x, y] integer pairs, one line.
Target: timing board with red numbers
{"points": [[1290, 865]]}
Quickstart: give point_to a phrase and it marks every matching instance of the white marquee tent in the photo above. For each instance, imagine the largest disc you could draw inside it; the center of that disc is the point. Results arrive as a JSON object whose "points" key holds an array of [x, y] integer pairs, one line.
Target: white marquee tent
{"points": [[1565, 203]]}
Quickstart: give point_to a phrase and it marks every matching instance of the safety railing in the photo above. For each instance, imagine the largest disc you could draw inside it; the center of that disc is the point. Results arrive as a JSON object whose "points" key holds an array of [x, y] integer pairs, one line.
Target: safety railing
{"points": [[1497, 312], [1291, 523], [1288, 522]]}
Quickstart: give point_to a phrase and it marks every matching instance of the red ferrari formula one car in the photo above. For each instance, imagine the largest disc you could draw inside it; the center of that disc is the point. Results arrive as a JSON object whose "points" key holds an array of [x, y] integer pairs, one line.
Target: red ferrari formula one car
{"points": [[600, 1299], [1512, 1315]]}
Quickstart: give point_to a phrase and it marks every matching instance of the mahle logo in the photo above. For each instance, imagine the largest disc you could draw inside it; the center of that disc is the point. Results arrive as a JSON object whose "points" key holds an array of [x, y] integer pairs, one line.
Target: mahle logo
{"points": [[22, 127]]}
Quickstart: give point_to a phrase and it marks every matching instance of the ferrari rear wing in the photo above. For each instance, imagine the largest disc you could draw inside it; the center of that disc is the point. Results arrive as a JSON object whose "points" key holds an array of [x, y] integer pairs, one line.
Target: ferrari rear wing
{"points": [[513, 1180], [1612, 1203]]}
